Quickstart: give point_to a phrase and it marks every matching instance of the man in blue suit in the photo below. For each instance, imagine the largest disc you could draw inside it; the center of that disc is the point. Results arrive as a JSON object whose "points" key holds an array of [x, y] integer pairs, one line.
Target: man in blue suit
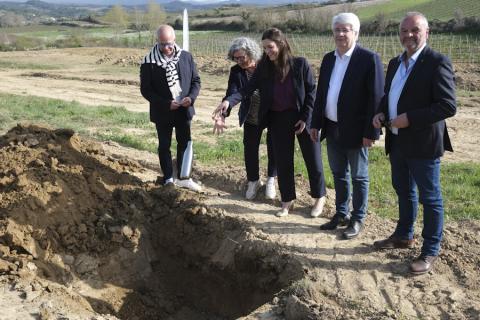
{"points": [[419, 96], [169, 81], [350, 87]]}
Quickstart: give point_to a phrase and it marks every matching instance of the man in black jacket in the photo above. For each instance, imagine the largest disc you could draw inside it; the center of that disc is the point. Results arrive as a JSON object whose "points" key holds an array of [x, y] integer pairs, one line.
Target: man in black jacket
{"points": [[419, 96], [169, 81], [350, 86]]}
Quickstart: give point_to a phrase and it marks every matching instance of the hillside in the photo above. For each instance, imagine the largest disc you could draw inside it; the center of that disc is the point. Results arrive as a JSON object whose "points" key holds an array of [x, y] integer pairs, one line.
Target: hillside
{"points": [[35, 8], [434, 9]]}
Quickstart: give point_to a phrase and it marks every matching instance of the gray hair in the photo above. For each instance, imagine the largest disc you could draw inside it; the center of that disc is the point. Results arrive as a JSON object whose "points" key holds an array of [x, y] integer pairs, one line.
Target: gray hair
{"points": [[251, 48], [415, 14], [347, 18]]}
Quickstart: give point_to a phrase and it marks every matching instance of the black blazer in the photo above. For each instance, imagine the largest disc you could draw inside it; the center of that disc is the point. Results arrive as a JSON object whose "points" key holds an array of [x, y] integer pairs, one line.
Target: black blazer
{"points": [[236, 81], [304, 88], [358, 100], [154, 88], [428, 98]]}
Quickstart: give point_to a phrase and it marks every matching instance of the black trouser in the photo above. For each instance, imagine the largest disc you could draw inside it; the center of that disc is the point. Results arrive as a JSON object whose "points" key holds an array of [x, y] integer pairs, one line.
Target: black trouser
{"points": [[164, 133], [252, 135], [282, 128]]}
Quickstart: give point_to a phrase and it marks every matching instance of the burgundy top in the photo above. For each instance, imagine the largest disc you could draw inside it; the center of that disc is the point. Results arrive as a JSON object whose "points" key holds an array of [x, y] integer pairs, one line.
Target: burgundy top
{"points": [[283, 94]]}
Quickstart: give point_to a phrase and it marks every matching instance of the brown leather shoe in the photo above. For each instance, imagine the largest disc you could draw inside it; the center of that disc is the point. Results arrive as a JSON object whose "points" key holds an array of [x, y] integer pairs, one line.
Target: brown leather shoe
{"points": [[422, 264], [393, 242]]}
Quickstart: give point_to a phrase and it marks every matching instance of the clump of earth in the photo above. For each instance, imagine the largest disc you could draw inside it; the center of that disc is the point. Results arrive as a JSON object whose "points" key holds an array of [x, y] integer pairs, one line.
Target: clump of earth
{"points": [[85, 233]]}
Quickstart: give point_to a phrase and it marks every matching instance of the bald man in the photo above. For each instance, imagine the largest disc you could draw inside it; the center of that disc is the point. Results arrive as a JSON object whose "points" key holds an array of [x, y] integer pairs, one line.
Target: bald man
{"points": [[169, 81]]}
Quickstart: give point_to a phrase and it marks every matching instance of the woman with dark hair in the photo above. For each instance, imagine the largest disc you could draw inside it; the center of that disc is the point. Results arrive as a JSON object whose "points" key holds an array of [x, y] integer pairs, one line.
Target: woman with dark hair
{"points": [[287, 94], [246, 53]]}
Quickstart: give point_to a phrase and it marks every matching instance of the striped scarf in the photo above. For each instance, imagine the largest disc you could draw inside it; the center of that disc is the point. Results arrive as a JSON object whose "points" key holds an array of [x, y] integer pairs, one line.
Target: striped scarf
{"points": [[169, 64]]}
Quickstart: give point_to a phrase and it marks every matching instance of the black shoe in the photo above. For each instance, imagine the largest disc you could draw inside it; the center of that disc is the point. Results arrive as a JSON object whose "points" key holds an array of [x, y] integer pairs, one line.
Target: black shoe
{"points": [[335, 222], [353, 229]]}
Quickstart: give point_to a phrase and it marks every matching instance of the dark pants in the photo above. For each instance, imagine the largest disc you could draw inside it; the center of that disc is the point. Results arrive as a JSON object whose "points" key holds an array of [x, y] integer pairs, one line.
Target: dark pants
{"points": [[408, 174], [281, 125], [252, 135], [164, 133]]}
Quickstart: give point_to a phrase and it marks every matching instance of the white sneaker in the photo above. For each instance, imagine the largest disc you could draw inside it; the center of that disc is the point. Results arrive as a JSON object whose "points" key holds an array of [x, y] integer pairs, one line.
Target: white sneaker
{"points": [[188, 184], [318, 207], [252, 189], [270, 192], [168, 181], [286, 206]]}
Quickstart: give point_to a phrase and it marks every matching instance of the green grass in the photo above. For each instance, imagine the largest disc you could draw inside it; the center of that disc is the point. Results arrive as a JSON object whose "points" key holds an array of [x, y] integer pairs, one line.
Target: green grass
{"points": [[7, 64], [433, 9], [460, 181], [59, 113], [390, 8]]}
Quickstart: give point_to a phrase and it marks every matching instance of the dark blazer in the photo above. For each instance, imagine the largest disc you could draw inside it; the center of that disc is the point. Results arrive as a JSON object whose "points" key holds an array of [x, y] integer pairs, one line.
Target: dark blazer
{"points": [[428, 98], [304, 88], [154, 87], [358, 100], [237, 80]]}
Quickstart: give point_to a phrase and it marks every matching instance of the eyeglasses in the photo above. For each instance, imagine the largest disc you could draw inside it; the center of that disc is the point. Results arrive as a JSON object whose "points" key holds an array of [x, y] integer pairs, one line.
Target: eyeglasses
{"points": [[167, 44], [341, 30], [239, 58]]}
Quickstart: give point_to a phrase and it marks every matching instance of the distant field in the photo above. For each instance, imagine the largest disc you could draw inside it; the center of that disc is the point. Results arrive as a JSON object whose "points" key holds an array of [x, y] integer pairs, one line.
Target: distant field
{"points": [[443, 10], [460, 48], [434, 9]]}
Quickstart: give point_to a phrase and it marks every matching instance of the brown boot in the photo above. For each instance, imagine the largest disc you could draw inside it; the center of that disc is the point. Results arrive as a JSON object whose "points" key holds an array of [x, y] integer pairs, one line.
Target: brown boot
{"points": [[422, 264], [393, 242]]}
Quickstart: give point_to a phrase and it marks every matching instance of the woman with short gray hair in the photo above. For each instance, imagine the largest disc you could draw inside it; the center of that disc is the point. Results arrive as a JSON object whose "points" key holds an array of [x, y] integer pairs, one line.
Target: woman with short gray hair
{"points": [[246, 53]]}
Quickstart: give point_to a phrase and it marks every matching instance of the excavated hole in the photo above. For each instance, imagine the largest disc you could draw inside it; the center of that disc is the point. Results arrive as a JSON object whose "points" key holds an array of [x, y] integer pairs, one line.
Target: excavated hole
{"points": [[202, 263]]}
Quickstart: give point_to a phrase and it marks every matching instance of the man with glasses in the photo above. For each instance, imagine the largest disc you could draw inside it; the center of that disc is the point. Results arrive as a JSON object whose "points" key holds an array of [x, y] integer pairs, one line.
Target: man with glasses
{"points": [[169, 81], [419, 96], [350, 86]]}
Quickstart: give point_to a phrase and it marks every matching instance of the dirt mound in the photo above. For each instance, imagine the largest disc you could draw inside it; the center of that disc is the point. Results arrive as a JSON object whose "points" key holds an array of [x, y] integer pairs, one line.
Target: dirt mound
{"points": [[80, 231], [467, 76], [125, 61], [213, 65]]}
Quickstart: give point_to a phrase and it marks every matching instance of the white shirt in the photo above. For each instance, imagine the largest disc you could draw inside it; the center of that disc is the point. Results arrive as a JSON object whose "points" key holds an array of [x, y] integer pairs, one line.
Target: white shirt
{"points": [[398, 82], [336, 80]]}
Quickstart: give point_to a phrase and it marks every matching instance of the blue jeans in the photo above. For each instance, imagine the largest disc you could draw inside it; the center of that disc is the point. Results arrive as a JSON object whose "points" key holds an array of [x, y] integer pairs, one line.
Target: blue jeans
{"points": [[407, 175], [346, 164]]}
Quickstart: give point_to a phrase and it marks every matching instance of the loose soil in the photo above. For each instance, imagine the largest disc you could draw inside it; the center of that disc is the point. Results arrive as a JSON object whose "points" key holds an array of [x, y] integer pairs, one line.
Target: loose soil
{"points": [[86, 234]]}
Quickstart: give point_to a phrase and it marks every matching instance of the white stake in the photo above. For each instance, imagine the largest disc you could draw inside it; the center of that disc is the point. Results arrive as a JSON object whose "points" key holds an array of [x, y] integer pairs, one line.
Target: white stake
{"points": [[185, 30]]}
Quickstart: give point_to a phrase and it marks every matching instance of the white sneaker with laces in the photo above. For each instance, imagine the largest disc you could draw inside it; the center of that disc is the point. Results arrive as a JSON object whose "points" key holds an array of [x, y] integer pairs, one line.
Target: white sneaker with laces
{"points": [[252, 188], [318, 207], [188, 184], [270, 192], [168, 181]]}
